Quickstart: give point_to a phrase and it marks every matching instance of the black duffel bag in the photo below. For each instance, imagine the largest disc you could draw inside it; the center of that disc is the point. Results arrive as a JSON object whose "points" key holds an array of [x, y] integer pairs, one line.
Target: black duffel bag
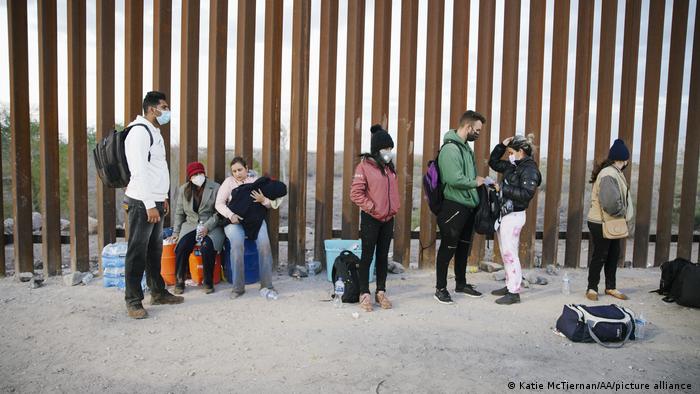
{"points": [[608, 325]]}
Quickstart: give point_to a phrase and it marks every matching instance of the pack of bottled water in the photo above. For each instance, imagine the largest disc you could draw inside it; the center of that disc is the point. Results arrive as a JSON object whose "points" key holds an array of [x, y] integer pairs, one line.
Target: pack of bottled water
{"points": [[113, 260]]}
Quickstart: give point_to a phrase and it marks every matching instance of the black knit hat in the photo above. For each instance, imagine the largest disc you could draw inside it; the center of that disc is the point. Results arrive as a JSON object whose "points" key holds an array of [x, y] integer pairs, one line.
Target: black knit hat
{"points": [[380, 139], [618, 151]]}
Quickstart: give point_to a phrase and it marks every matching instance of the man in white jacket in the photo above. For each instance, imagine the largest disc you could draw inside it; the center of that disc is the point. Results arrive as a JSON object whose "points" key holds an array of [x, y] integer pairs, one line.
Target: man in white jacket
{"points": [[147, 202]]}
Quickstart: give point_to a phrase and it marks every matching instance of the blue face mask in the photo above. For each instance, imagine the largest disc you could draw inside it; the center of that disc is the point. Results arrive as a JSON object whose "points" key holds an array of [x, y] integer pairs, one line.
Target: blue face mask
{"points": [[164, 117]]}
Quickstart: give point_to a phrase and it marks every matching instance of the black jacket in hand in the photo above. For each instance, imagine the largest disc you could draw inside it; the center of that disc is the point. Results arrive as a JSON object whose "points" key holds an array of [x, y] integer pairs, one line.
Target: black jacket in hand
{"points": [[520, 181], [253, 213]]}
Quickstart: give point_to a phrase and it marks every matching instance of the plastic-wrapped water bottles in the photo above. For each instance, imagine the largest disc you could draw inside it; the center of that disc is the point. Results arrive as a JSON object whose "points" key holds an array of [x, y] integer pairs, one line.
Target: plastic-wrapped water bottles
{"points": [[339, 291], [113, 261]]}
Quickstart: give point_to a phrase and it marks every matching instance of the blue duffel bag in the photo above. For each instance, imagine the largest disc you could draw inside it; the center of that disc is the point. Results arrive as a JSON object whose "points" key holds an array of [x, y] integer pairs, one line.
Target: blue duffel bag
{"points": [[608, 325]]}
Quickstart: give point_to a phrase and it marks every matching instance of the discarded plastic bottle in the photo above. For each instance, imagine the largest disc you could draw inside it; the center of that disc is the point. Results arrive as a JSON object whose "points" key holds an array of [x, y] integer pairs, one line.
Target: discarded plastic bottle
{"points": [[566, 284], [269, 294], [339, 291], [640, 324], [87, 278]]}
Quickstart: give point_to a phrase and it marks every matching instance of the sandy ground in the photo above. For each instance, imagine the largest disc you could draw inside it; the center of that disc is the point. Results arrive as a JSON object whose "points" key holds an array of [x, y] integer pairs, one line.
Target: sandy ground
{"points": [[79, 339]]}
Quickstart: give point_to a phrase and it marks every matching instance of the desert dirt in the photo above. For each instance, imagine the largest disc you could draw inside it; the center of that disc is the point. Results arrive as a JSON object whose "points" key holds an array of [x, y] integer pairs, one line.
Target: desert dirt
{"points": [[79, 339]]}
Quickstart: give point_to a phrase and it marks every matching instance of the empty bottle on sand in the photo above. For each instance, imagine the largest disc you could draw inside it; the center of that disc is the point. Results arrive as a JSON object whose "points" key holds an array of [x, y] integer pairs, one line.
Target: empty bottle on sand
{"points": [[338, 294]]}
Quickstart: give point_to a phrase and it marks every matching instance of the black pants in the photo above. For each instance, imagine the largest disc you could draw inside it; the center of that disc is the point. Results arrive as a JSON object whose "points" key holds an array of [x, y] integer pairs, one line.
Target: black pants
{"points": [[606, 253], [456, 223], [375, 235], [144, 252], [184, 247]]}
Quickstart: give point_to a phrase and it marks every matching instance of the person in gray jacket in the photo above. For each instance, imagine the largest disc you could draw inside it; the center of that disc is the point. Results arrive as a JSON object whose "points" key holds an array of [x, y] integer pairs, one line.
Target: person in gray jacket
{"points": [[610, 200], [195, 205]]}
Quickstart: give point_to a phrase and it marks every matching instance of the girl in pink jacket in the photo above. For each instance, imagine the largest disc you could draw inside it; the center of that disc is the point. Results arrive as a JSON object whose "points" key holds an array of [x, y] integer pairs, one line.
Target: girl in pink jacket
{"points": [[375, 190]]}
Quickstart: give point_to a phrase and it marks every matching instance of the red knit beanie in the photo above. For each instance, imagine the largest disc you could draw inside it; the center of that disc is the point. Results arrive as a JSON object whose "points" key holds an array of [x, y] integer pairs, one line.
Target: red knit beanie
{"points": [[194, 168]]}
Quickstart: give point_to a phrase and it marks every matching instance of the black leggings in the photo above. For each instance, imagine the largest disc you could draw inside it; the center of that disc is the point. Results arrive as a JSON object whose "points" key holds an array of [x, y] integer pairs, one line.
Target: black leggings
{"points": [[606, 253], [184, 247], [456, 224], [374, 234]]}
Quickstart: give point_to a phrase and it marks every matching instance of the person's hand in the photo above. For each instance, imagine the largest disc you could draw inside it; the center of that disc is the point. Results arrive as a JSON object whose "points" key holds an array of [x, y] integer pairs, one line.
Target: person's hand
{"points": [[204, 231], [258, 196], [480, 180], [166, 207], [507, 141], [235, 219], [173, 238], [153, 215]]}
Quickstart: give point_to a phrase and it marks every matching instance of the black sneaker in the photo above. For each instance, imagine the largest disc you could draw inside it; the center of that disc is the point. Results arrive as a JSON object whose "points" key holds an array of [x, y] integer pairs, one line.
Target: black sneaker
{"points": [[468, 290], [500, 292], [508, 299], [165, 298], [236, 294], [443, 297]]}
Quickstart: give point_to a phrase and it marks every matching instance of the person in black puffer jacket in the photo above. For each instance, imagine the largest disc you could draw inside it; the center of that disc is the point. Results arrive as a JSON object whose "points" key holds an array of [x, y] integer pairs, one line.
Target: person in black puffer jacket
{"points": [[521, 178]]}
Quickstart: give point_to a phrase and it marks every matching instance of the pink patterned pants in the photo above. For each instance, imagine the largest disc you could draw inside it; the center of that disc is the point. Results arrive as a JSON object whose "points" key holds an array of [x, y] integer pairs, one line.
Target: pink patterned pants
{"points": [[509, 240]]}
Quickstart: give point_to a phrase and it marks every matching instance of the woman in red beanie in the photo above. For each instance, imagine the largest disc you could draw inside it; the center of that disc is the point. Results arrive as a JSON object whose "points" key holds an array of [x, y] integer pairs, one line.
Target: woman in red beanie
{"points": [[195, 204]]}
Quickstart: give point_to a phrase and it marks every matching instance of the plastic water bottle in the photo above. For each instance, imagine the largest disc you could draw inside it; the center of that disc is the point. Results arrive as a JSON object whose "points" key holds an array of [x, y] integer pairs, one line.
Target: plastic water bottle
{"points": [[269, 294], [87, 278], [566, 284], [640, 324], [339, 291], [198, 236]]}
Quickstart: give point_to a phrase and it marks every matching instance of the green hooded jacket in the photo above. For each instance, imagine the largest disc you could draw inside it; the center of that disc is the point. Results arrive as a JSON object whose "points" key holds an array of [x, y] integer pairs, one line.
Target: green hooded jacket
{"points": [[458, 171]]}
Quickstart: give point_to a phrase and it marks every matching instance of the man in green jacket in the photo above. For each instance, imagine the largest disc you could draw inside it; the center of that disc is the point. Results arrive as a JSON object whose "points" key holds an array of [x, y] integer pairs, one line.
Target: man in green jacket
{"points": [[456, 217]]}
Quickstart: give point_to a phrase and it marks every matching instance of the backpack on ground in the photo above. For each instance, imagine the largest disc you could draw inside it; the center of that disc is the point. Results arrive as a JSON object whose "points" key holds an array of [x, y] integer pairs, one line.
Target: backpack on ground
{"points": [[347, 266], [609, 325], [432, 185], [110, 158], [488, 212], [680, 282]]}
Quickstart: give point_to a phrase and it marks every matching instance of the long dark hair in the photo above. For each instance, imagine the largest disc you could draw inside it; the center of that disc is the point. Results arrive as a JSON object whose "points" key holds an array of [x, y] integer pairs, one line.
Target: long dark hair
{"points": [[192, 188], [599, 167], [380, 162]]}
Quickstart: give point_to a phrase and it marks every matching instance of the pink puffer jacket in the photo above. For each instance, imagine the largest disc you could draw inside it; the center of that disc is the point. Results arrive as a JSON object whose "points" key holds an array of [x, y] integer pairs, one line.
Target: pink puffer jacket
{"points": [[374, 192]]}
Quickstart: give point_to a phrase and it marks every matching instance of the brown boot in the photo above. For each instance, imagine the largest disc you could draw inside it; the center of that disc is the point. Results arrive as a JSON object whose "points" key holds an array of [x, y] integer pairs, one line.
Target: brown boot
{"points": [[165, 298], [179, 288], [365, 302], [615, 293], [382, 300], [592, 295], [136, 312]]}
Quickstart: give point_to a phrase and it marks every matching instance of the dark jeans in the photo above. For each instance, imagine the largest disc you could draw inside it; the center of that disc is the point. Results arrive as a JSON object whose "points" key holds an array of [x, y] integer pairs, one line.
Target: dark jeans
{"points": [[144, 252], [184, 247], [606, 252], [375, 235], [456, 223]]}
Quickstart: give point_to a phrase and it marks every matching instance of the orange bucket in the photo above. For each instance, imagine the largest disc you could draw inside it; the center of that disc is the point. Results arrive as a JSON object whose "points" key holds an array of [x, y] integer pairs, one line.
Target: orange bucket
{"points": [[167, 264], [196, 269]]}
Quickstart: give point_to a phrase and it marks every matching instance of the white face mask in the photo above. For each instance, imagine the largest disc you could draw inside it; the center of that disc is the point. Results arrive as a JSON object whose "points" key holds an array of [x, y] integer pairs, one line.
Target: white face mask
{"points": [[387, 155], [511, 158], [198, 179], [164, 118]]}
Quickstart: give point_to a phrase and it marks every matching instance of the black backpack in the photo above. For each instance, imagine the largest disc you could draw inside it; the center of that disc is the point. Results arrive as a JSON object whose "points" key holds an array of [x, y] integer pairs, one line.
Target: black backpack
{"points": [[347, 266], [680, 282], [488, 212], [110, 158], [432, 185]]}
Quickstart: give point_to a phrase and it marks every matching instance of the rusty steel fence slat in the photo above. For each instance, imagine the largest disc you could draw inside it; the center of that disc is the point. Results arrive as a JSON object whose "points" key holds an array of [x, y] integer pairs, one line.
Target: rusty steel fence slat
{"points": [[325, 139], [406, 128]]}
